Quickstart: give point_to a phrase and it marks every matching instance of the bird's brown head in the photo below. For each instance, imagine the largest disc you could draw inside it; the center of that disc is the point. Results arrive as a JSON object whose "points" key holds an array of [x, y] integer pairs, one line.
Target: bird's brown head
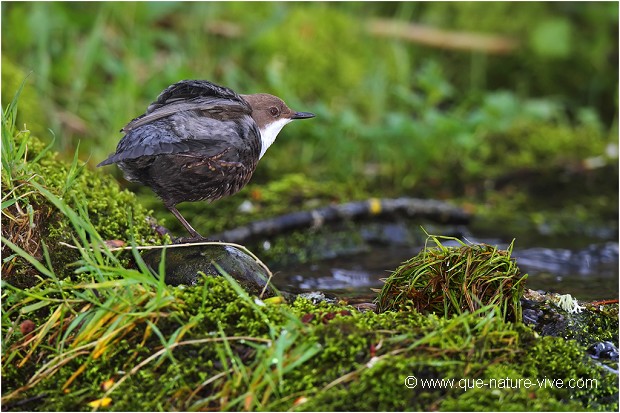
{"points": [[268, 109], [271, 114]]}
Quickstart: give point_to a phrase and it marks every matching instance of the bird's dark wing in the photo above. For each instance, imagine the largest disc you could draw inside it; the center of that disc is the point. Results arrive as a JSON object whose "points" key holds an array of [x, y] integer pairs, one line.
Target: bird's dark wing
{"points": [[189, 89], [192, 132], [188, 95], [191, 116]]}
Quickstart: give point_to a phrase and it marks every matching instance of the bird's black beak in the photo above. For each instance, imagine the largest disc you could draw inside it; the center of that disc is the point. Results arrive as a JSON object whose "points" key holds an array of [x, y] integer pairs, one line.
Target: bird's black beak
{"points": [[303, 115]]}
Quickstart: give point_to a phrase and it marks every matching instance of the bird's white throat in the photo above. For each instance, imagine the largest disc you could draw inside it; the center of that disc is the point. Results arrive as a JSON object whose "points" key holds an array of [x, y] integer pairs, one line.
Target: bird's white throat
{"points": [[268, 134]]}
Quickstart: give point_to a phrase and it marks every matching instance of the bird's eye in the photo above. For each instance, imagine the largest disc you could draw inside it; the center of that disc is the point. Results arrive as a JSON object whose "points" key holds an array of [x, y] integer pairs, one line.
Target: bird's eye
{"points": [[274, 111]]}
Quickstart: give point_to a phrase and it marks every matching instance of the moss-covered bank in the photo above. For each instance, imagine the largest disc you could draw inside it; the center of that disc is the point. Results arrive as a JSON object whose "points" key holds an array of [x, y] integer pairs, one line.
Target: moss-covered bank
{"points": [[212, 347]]}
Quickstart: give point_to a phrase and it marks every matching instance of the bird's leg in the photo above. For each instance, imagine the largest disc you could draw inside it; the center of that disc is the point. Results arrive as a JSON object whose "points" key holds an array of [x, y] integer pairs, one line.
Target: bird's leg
{"points": [[195, 236]]}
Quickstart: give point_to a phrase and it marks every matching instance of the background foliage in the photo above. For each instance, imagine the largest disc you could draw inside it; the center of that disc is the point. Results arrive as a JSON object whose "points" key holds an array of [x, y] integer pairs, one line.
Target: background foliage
{"points": [[394, 117]]}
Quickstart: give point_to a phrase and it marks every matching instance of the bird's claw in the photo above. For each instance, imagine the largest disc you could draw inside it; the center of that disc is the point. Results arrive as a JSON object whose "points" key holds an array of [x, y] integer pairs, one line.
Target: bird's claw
{"points": [[190, 240]]}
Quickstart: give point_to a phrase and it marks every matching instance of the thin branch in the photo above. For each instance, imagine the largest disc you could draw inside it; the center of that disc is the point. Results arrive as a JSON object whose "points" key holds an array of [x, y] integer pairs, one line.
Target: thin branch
{"points": [[443, 39]]}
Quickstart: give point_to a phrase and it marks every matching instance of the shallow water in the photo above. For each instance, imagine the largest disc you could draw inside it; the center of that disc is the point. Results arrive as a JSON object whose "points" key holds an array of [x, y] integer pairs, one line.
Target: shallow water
{"points": [[589, 273]]}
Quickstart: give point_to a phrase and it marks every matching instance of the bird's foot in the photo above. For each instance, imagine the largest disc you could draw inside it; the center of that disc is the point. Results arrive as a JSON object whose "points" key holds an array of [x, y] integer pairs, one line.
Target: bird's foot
{"points": [[192, 240]]}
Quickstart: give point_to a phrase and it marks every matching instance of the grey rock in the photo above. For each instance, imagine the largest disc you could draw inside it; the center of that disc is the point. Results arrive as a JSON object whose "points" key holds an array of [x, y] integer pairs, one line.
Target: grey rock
{"points": [[183, 264]]}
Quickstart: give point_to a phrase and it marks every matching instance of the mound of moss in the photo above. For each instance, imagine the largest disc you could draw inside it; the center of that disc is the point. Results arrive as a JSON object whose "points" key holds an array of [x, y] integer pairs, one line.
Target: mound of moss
{"points": [[34, 223]]}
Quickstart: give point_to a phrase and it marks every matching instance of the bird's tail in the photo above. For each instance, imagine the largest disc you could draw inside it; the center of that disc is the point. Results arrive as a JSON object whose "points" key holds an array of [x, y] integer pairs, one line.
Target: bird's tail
{"points": [[109, 161]]}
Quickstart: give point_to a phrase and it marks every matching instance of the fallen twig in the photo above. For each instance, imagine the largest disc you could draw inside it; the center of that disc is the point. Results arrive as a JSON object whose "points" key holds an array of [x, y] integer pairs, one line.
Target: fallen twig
{"points": [[422, 208], [444, 39]]}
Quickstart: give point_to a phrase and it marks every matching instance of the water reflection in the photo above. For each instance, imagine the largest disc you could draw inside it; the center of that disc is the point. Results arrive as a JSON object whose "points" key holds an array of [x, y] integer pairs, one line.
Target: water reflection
{"points": [[590, 273]]}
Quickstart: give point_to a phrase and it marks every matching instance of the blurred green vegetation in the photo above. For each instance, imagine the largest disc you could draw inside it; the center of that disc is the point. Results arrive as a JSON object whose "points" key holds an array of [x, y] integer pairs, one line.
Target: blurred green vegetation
{"points": [[393, 116]]}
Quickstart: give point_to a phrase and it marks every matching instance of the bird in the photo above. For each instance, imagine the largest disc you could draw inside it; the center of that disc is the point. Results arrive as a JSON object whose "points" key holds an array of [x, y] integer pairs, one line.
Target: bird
{"points": [[199, 142]]}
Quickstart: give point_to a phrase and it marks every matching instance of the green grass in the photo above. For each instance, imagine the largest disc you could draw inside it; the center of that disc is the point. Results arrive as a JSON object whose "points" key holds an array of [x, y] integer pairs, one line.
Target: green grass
{"points": [[453, 280]]}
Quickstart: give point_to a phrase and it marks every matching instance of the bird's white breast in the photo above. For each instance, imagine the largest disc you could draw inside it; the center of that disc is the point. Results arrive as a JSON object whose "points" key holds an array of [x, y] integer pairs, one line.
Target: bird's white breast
{"points": [[269, 133]]}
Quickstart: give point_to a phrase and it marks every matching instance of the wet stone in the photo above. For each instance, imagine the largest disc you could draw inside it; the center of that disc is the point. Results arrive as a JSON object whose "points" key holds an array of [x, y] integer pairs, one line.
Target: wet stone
{"points": [[605, 350], [318, 296], [183, 264], [591, 325]]}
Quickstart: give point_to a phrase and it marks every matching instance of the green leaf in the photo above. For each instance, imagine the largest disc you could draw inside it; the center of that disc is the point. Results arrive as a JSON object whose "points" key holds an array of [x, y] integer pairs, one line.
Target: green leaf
{"points": [[36, 306]]}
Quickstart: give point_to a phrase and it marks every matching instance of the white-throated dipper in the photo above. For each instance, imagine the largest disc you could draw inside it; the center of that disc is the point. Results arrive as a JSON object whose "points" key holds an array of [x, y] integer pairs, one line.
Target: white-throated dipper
{"points": [[200, 141]]}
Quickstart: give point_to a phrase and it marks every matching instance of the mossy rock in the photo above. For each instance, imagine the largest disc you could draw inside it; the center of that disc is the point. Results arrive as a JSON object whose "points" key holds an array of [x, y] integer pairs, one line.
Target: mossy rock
{"points": [[32, 220], [552, 314], [185, 264]]}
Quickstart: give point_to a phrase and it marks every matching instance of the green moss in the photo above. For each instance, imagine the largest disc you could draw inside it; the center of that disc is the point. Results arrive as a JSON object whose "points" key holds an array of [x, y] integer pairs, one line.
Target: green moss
{"points": [[380, 388], [30, 219], [218, 306], [513, 395], [602, 323], [557, 358]]}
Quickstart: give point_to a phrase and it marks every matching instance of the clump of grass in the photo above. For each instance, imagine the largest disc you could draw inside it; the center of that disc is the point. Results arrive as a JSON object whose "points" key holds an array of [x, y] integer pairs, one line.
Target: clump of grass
{"points": [[453, 280]]}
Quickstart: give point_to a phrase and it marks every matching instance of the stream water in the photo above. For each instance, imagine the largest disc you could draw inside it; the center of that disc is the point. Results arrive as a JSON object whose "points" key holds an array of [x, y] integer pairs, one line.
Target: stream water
{"points": [[587, 273]]}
